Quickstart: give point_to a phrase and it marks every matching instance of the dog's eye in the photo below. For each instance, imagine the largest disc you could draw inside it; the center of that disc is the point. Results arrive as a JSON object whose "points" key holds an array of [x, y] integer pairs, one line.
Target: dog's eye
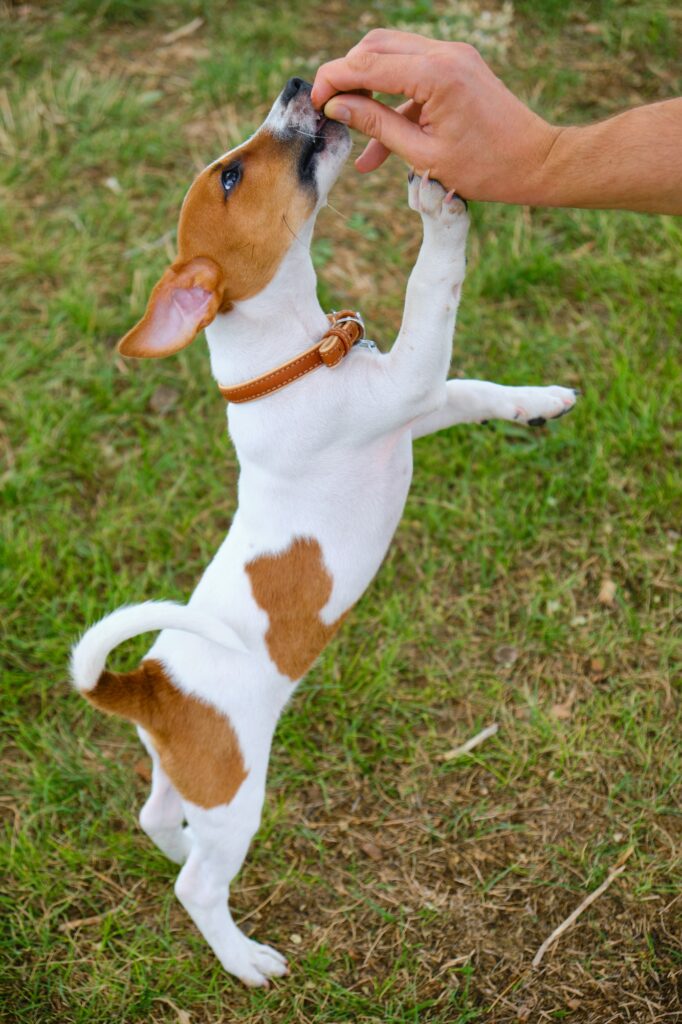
{"points": [[230, 177]]}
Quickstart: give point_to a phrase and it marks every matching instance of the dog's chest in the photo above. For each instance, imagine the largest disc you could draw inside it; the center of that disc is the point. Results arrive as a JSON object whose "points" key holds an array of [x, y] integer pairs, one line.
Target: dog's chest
{"points": [[287, 432]]}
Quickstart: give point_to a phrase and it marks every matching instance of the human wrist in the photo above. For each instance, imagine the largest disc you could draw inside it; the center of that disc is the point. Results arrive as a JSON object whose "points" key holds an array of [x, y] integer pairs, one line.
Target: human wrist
{"points": [[545, 185], [579, 169], [525, 176]]}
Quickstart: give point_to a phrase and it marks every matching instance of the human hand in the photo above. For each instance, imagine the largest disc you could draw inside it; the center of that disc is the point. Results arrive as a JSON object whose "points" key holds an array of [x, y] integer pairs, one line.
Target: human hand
{"points": [[460, 122]]}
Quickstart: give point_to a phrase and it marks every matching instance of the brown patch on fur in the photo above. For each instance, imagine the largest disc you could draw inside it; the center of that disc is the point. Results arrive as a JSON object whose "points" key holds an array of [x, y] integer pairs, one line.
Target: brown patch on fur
{"points": [[197, 745], [166, 327], [293, 587], [229, 247], [248, 232]]}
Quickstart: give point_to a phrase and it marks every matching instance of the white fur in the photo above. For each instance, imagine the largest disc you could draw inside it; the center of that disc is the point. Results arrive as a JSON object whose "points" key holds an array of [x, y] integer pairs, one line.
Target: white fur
{"points": [[90, 653], [329, 458]]}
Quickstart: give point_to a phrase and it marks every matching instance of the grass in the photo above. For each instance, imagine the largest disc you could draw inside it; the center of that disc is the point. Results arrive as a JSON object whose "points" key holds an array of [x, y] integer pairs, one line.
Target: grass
{"points": [[403, 887]]}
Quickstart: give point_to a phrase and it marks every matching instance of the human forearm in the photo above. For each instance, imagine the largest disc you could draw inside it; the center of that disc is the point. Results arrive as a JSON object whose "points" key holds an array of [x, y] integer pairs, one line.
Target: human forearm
{"points": [[461, 123], [631, 162]]}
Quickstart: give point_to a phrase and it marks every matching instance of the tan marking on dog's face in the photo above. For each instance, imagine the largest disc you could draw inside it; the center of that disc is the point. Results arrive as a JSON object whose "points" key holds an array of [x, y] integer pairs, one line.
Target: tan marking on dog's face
{"points": [[197, 746], [248, 231], [293, 587]]}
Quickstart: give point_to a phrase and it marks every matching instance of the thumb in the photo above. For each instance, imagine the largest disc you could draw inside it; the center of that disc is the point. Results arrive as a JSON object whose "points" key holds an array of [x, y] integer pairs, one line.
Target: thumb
{"points": [[392, 129]]}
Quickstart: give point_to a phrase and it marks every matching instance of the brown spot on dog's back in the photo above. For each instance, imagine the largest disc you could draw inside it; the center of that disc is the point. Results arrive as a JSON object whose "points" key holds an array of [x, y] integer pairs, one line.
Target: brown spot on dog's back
{"points": [[293, 587], [197, 746]]}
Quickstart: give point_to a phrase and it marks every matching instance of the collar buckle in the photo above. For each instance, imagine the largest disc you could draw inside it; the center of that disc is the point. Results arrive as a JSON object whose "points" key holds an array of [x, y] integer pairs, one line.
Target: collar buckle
{"points": [[338, 341], [347, 328], [347, 316]]}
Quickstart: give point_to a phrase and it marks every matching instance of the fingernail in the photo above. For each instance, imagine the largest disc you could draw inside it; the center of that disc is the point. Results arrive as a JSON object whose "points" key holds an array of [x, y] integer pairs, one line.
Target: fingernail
{"points": [[337, 112]]}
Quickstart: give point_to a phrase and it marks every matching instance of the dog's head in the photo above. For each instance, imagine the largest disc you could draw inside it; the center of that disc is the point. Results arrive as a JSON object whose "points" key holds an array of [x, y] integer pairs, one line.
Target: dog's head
{"points": [[238, 220]]}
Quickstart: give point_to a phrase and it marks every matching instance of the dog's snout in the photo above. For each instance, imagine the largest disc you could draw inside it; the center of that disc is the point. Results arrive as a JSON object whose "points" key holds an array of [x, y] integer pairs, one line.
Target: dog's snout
{"points": [[293, 87]]}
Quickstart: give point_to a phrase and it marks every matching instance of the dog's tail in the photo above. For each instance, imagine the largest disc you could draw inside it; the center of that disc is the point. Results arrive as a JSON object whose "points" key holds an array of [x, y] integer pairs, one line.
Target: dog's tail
{"points": [[89, 655]]}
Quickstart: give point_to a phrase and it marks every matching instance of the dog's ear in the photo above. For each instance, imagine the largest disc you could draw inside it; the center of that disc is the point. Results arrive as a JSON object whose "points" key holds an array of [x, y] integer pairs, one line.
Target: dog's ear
{"points": [[184, 301]]}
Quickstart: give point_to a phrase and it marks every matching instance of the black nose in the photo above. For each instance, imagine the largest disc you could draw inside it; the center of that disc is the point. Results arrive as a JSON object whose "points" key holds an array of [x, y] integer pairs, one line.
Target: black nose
{"points": [[293, 87]]}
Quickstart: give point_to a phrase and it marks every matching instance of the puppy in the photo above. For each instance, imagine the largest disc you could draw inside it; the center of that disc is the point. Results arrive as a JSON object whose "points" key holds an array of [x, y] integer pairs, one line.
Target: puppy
{"points": [[325, 466]]}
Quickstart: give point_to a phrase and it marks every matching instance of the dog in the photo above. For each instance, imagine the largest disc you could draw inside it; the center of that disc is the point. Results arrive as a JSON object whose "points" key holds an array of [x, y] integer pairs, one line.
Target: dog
{"points": [[325, 466]]}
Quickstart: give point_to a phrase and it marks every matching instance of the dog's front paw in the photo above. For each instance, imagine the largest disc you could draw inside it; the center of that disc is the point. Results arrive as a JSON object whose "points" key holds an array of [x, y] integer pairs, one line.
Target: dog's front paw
{"points": [[428, 197], [534, 406], [444, 216]]}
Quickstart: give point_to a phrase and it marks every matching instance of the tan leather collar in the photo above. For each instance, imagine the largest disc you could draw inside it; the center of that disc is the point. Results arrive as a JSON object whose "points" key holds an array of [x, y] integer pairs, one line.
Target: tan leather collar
{"points": [[346, 330]]}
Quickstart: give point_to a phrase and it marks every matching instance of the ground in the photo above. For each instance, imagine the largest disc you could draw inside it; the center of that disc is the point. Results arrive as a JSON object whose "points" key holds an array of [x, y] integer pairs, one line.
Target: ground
{"points": [[534, 581]]}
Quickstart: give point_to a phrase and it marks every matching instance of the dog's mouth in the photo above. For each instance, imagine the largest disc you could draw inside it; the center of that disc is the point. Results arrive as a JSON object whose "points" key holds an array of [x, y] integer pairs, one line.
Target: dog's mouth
{"points": [[320, 144], [315, 143], [324, 132]]}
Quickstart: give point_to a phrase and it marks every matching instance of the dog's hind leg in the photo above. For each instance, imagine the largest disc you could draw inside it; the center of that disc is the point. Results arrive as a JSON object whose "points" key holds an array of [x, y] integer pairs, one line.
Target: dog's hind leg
{"points": [[475, 401], [163, 815], [220, 840]]}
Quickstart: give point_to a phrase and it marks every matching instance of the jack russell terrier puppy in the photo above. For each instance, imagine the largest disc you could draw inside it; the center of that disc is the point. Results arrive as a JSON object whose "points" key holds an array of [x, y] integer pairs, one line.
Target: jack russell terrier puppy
{"points": [[325, 466]]}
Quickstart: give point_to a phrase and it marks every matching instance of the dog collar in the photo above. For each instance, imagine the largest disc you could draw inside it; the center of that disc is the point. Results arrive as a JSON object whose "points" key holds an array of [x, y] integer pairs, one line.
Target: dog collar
{"points": [[346, 330]]}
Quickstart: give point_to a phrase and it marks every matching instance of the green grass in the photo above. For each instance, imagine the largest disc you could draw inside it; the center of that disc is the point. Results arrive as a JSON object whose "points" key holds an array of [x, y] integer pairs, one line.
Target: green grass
{"points": [[404, 888]]}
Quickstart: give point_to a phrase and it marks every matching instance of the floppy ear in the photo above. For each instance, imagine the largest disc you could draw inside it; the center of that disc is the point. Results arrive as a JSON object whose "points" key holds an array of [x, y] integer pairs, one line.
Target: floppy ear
{"points": [[186, 298]]}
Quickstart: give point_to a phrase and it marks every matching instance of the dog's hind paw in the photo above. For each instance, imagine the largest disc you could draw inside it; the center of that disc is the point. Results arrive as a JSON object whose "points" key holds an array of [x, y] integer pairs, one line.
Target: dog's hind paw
{"points": [[254, 964]]}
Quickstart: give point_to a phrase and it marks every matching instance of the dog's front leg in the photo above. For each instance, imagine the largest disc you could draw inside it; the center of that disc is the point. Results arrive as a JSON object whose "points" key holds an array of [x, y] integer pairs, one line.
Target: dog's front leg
{"points": [[475, 401], [417, 366]]}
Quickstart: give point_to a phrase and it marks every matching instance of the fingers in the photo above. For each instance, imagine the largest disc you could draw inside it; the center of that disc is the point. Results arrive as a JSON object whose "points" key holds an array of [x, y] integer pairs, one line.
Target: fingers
{"points": [[372, 156], [376, 152], [392, 129], [385, 40], [378, 72]]}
